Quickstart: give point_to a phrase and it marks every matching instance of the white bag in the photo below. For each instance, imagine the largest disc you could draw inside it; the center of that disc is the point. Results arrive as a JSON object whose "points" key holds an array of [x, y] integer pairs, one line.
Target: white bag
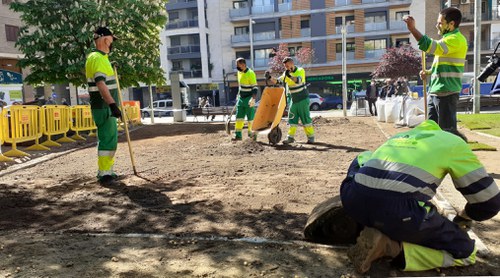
{"points": [[392, 107], [380, 105], [415, 117]]}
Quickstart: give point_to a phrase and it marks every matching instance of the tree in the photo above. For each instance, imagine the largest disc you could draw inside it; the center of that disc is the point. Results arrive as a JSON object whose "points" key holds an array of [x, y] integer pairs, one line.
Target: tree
{"points": [[303, 56], [398, 62], [58, 35]]}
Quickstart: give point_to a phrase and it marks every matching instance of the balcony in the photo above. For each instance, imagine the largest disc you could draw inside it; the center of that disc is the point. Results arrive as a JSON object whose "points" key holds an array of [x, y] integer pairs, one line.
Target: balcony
{"points": [[485, 44], [183, 49], [181, 4], [264, 36], [239, 12], [397, 25], [263, 9], [285, 7], [349, 56], [339, 3], [467, 16], [240, 38], [350, 29], [193, 74], [374, 54], [372, 1], [375, 26], [182, 24], [305, 32]]}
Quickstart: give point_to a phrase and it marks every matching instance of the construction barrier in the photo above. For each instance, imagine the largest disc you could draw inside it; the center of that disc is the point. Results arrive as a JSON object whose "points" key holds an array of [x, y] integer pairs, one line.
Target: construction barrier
{"points": [[133, 111], [57, 120], [3, 158], [22, 123], [82, 120]]}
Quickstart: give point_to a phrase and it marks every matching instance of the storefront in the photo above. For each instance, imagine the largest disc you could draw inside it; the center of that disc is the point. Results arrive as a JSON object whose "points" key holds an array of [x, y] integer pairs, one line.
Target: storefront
{"points": [[11, 87]]}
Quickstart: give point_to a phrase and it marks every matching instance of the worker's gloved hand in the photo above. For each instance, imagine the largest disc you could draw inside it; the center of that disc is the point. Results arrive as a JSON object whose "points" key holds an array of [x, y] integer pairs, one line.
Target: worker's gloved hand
{"points": [[251, 102], [463, 221], [267, 74], [287, 73], [115, 111]]}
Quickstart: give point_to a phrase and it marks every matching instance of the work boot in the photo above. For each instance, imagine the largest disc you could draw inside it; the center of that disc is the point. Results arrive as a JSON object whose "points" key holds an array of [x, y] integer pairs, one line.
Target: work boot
{"points": [[288, 141], [253, 136], [107, 179], [370, 246], [310, 140]]}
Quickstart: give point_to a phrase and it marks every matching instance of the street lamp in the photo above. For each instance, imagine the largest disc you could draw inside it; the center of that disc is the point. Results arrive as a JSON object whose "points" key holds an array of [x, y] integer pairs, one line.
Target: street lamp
{"points": [[250, 24]]}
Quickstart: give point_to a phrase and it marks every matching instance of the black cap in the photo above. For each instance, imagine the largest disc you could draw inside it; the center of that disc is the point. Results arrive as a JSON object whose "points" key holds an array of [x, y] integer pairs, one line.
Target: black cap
{"points": [[102, 32]]}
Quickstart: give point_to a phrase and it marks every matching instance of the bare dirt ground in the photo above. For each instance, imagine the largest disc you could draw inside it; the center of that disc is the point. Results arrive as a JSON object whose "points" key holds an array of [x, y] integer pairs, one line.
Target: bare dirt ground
{"points": [[201, 208]]}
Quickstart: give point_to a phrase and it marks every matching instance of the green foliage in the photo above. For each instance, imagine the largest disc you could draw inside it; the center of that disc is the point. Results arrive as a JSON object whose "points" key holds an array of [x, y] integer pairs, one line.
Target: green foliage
{"points": [[57, 37]]}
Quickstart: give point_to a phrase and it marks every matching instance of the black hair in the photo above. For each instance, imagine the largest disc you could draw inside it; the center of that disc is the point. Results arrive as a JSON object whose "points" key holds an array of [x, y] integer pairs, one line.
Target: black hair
{"points": [[452, 14], [241, 60], [287, 59]]}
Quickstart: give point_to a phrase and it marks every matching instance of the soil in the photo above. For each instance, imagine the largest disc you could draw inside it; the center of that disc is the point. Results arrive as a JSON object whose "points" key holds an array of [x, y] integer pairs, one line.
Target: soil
{"points": [[202, 206]]}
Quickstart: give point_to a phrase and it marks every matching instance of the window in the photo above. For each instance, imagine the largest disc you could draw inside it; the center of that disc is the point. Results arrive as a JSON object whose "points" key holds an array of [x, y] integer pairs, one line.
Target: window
{"points": [[161, 104], [400, 15], [155, 104], [349, 20], [240, 4], [262, 53], [292, 51], [194, 40], [12, 33], [175, 40], [169, 104], [375, 44], [379, 17], [243, 54], [263, 2], [176, 65], [401, 42], [304, 24], [350, 47], [173, 16], [193, 14], [241, 30]]}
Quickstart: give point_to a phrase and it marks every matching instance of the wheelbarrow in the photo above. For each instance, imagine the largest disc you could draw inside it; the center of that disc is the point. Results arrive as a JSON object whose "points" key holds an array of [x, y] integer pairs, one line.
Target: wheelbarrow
{"points": [[269, 113]]}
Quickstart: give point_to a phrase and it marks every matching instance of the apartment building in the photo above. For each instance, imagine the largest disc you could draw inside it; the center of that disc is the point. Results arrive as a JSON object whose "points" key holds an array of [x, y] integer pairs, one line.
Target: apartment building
{"points": [[10, 74], [490, 28]]}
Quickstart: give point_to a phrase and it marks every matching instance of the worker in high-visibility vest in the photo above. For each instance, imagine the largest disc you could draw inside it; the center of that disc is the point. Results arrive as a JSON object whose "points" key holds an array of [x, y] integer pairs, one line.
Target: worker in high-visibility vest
{"points": [[389, 192], [103, 93], [447, 68], [246, 99], [295, 78]]}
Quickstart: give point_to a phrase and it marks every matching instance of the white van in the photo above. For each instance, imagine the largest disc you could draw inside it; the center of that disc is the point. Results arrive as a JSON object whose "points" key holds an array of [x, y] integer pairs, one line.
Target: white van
{"points": [[160, 108]]}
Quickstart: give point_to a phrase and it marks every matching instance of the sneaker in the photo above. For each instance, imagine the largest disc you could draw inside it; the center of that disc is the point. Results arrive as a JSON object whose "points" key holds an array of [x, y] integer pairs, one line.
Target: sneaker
{"points": [[370, 246], [310, 140], [288, 141]]}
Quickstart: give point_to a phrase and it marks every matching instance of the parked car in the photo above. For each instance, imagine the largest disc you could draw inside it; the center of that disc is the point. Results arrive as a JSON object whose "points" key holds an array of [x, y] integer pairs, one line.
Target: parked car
{"points": [[160, 108], [315, 101], [332, 102]]}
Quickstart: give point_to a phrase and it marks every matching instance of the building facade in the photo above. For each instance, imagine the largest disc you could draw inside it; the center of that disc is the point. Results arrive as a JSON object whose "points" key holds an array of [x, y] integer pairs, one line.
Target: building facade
{"points": [[10, 73]]}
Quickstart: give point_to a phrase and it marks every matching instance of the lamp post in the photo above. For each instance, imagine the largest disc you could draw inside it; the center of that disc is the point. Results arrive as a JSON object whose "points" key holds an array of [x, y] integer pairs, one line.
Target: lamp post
{"points": [[250, 26], [344, 67]]}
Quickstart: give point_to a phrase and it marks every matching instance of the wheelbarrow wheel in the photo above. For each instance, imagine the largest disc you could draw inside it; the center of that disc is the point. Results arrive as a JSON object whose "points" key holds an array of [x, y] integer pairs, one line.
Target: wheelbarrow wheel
{"points": [[274, 136]]}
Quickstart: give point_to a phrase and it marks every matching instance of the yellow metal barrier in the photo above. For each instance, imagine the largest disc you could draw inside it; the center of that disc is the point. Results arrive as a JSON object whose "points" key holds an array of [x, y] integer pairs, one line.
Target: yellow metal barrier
{"points": [[3, 158], [82, 120], [133, 110], [56, 121], [25, 125]]}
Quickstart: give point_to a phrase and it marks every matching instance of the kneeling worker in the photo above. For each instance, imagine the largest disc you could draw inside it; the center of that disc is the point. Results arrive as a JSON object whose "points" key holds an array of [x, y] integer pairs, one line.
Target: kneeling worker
{"points": [[389, 192]]}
